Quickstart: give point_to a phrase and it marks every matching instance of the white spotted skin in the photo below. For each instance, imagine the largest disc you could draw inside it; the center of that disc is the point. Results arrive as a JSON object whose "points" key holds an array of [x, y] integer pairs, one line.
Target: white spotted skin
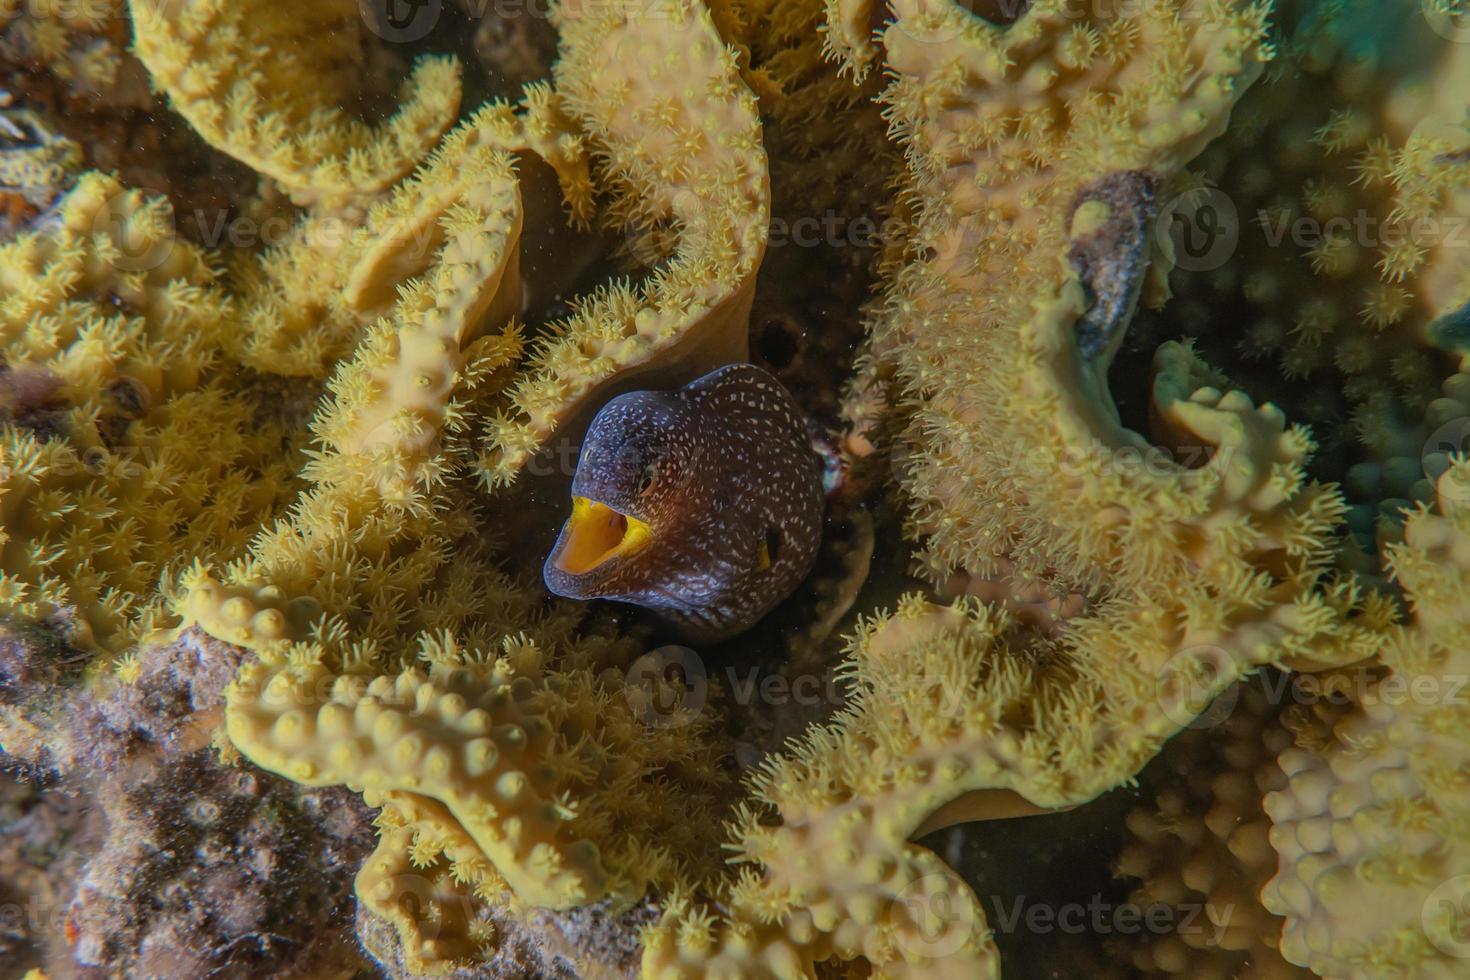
{"points": [[731, 461]]}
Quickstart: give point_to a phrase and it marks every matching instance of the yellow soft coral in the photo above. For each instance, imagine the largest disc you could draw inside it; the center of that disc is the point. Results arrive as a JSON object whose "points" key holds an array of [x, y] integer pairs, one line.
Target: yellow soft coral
{"points": [[681, 141], [1009, 132], [547, 772], [391, 408], [840, 878], [309, 299], [383, 559], [266, 81], [958, 716], [127, 464], [1036, 152], [1373, 829], [473, 739], [503, 778], [393, 399]]}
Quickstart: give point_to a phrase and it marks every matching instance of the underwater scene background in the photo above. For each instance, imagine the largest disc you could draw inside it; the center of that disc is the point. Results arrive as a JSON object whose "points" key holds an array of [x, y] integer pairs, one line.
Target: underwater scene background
{"points": [[1122, 341]]}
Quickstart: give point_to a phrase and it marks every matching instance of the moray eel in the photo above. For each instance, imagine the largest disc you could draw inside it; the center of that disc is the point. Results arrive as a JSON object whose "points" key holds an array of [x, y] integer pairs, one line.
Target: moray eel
{"points": [[703, 505]]}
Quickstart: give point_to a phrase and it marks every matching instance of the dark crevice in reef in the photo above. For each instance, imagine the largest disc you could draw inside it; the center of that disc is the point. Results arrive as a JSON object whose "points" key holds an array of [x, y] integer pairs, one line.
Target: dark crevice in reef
{"points": [[1046, 883], [1001, 13]]}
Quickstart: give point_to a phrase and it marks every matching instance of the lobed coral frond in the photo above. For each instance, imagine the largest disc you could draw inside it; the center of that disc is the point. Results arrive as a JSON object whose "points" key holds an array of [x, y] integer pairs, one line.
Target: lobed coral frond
{"points": [[476, 762], [679, 140], [265, 82], [311, 298]]}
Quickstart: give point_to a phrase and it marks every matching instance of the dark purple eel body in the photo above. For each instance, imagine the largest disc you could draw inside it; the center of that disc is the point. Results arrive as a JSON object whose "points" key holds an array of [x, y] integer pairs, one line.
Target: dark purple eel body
{"points": [[721, 479]]}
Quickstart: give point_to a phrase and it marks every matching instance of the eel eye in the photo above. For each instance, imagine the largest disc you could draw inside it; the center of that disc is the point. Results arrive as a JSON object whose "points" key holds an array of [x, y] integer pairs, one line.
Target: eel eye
{"points": [[769, 550], [646, 478]]}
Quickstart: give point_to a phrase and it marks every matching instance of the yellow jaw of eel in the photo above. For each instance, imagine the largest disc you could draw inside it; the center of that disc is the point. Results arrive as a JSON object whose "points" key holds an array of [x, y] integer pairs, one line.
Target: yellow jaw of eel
{"points": [[595, 534]]}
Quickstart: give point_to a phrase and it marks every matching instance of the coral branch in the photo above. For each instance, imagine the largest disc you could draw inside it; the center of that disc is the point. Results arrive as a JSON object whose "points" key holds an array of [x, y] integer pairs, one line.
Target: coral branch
{"points": [[680, 143], [265, 82]]}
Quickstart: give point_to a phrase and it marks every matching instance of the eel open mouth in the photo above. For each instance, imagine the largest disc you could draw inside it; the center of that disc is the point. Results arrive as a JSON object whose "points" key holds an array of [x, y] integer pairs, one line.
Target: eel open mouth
{"points": [[595, 534]]}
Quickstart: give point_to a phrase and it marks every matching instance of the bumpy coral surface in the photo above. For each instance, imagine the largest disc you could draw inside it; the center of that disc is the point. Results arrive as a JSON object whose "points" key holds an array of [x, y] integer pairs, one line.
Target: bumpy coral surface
{"points": [[1371, 828], [681, 145], [273, 504], [1201, 848]]}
